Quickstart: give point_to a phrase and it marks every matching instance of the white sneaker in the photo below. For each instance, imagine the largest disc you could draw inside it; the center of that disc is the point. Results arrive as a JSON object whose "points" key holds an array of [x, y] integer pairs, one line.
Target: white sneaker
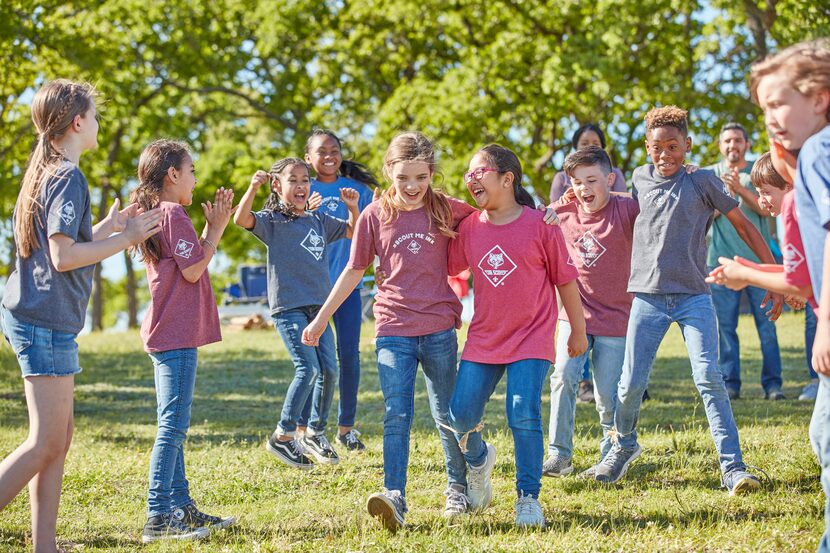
{"points": [[810, 391], [457, 503], [479, 487], [529, 513]]}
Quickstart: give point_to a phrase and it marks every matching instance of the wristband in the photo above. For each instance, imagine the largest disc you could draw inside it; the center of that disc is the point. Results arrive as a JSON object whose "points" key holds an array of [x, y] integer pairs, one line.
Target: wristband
{"points": [[212, 245]]}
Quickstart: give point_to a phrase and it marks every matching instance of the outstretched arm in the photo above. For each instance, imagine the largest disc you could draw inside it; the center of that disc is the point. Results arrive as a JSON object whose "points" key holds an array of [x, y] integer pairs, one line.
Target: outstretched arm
{"points": [[344, 286]]}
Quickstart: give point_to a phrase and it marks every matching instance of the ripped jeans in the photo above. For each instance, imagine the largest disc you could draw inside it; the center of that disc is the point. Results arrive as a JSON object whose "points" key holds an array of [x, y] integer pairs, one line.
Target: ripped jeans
{"points": [[474, 386]]}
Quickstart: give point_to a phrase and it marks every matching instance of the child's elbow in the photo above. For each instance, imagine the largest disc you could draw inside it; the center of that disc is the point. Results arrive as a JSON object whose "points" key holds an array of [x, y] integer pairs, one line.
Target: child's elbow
{"points": [[60, 262]]}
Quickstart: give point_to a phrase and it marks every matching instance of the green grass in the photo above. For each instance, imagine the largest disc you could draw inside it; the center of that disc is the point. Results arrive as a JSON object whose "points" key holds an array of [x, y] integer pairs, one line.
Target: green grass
{"points": [[670, 500]]}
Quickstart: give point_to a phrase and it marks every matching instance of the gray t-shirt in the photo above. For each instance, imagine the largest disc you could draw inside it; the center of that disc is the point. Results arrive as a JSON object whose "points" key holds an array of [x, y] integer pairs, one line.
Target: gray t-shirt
{"points": [[38, 293], [669, 252], [298, 270]]}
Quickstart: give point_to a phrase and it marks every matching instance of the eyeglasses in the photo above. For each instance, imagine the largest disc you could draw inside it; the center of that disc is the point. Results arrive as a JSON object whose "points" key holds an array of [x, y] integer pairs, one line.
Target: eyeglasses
{"points": [[478, 174]]}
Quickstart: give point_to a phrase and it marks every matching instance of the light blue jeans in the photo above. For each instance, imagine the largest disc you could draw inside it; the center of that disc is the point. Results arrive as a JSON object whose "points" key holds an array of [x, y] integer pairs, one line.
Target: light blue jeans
{"points": [[820, 440], [315, 370], [607, 354], [475, 385], [651, 316], [398, 358], [175, 378]]}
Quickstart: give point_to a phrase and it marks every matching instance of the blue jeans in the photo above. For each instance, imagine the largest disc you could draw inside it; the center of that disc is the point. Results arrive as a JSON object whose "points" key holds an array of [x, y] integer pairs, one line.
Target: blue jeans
{"points": [[315, 370], [608, 354], [175, 376], [820, 440], [347, 320], [475, 385], [651, 316], [398, 358], [727, 303], [810, 323]]}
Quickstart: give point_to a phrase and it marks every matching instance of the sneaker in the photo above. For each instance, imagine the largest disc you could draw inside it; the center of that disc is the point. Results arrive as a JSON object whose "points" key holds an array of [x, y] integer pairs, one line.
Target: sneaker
{"points": [[389, 506], [614, 466], [290, 452], [479, 487], [320, 447], [585, 393], [740, 482], [167, 527], [775, 394], [529, 513], [351, 441], [457, 503], [557, 466], [192, 516], [733, 393], [810, 391], [589, 473]]}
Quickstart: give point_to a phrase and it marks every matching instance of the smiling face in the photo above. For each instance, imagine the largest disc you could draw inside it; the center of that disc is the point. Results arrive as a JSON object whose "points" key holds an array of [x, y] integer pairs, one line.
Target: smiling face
{"points": [[492, 188], [667, 148], [592, 187], [733, 146], [181, 181], [770, 198], [410, 180], [790, 116], [587, 139], [325, 157], [293, 185]]}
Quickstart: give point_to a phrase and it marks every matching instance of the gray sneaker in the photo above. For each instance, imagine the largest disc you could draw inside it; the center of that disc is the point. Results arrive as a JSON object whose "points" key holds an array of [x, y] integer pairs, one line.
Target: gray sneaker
{"points": [[740, 482], [810, 391], [457, 503], [479, 487], [529, 513], [614, 466], [557, 466], [775, 395], [589, 473], [389, 506]]}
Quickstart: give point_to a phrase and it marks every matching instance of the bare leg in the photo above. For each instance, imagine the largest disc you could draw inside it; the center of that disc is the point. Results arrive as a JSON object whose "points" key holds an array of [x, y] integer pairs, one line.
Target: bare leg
{"points": [[40, 458]]}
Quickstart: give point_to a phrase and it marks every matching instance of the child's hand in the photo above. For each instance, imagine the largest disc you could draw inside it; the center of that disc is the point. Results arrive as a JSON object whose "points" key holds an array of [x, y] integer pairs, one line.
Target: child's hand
{"points": [[550, 218], [577, 344], [729, 274], [142, 226], [376, 193], [118, 217], [312, 333], [314, 202], [568, 197], [349, 197], [380, 276], [777, 301], [797, 303], [219, 213], [259, 178], [691, 168], [732, 182], [821, 347]]}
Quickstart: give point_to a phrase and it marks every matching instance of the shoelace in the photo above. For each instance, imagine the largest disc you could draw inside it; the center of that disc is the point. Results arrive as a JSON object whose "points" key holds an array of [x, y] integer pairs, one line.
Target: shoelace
{"points": [[297, 446], [456, 499], [525, 505], [351, 437], [397, 499], [324, 442]]}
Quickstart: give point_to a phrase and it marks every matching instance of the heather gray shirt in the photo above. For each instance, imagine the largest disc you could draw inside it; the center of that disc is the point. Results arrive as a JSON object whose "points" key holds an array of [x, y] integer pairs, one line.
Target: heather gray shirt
{"points": [[36, 292], [669, 252], [298, 270]]}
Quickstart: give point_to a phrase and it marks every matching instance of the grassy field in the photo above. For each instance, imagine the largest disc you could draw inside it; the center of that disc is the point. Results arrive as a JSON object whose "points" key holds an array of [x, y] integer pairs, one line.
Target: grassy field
{"points": [[670, 500]]}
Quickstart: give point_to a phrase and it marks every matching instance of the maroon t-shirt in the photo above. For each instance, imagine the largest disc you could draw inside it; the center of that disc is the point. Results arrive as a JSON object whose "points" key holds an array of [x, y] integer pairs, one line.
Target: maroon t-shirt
{"points": [[796, 272], [181, 314], [415, 299], [515, 269], [600, 247]]}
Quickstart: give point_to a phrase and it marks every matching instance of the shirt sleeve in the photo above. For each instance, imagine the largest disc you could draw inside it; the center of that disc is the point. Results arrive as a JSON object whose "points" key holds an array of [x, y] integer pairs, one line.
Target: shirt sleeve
{"points": [[333, 229], [67, 201], [456, 253], [561, 270], [714, 191], [619, 181], [262, 226], [363, 242], [181, 236], [817, 181], [460, 210]]}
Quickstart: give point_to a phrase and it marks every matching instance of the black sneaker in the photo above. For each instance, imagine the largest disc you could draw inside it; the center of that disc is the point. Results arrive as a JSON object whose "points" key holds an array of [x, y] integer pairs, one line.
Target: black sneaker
{"points": [[290, 452], [192, 516], [389, 506], [168, 527], [318, 445], [351, 441]]}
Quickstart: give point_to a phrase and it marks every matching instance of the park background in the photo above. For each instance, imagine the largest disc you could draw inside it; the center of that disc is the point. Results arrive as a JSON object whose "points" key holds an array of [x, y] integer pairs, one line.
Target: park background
{"points": [[244, 82]]}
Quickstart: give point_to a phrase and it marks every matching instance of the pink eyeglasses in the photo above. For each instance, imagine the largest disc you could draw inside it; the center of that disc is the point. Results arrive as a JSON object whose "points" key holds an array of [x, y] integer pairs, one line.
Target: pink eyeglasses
{"points": [[478, 174]]}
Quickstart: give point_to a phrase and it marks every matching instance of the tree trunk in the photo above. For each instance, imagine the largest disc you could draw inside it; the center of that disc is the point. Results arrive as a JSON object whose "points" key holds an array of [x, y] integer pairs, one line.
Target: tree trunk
{"points": [[132, 299]]}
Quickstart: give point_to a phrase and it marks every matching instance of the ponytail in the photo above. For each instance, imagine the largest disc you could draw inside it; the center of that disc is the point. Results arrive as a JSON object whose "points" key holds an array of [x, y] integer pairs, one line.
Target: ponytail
{"points": [[359, 172], [506, 161]]}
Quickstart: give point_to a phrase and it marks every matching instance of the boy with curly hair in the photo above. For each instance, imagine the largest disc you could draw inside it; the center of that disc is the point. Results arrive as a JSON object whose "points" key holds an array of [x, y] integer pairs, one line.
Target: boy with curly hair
{"points": [[668, 268]]}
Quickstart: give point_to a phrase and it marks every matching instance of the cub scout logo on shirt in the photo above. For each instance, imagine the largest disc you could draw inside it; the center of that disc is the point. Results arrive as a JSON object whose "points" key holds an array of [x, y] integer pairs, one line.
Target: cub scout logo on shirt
{"points": [[792, 258], [314, 244], [331, 203], [658, 197], [414, 247], [589, 248], [496, 266], [184, 248], [68, 212], [414, 241]]}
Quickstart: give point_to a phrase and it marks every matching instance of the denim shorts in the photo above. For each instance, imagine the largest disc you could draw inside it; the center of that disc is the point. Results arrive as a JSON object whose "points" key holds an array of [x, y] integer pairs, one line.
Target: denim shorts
{"points": [[40, 351]]}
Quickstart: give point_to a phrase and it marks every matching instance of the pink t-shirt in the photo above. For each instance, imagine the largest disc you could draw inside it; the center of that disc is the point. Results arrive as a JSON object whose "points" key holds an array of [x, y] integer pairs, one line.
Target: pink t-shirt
{"points": [[415, 299], [515, 268], [600, 246], [181, 314], [796, 272]]}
